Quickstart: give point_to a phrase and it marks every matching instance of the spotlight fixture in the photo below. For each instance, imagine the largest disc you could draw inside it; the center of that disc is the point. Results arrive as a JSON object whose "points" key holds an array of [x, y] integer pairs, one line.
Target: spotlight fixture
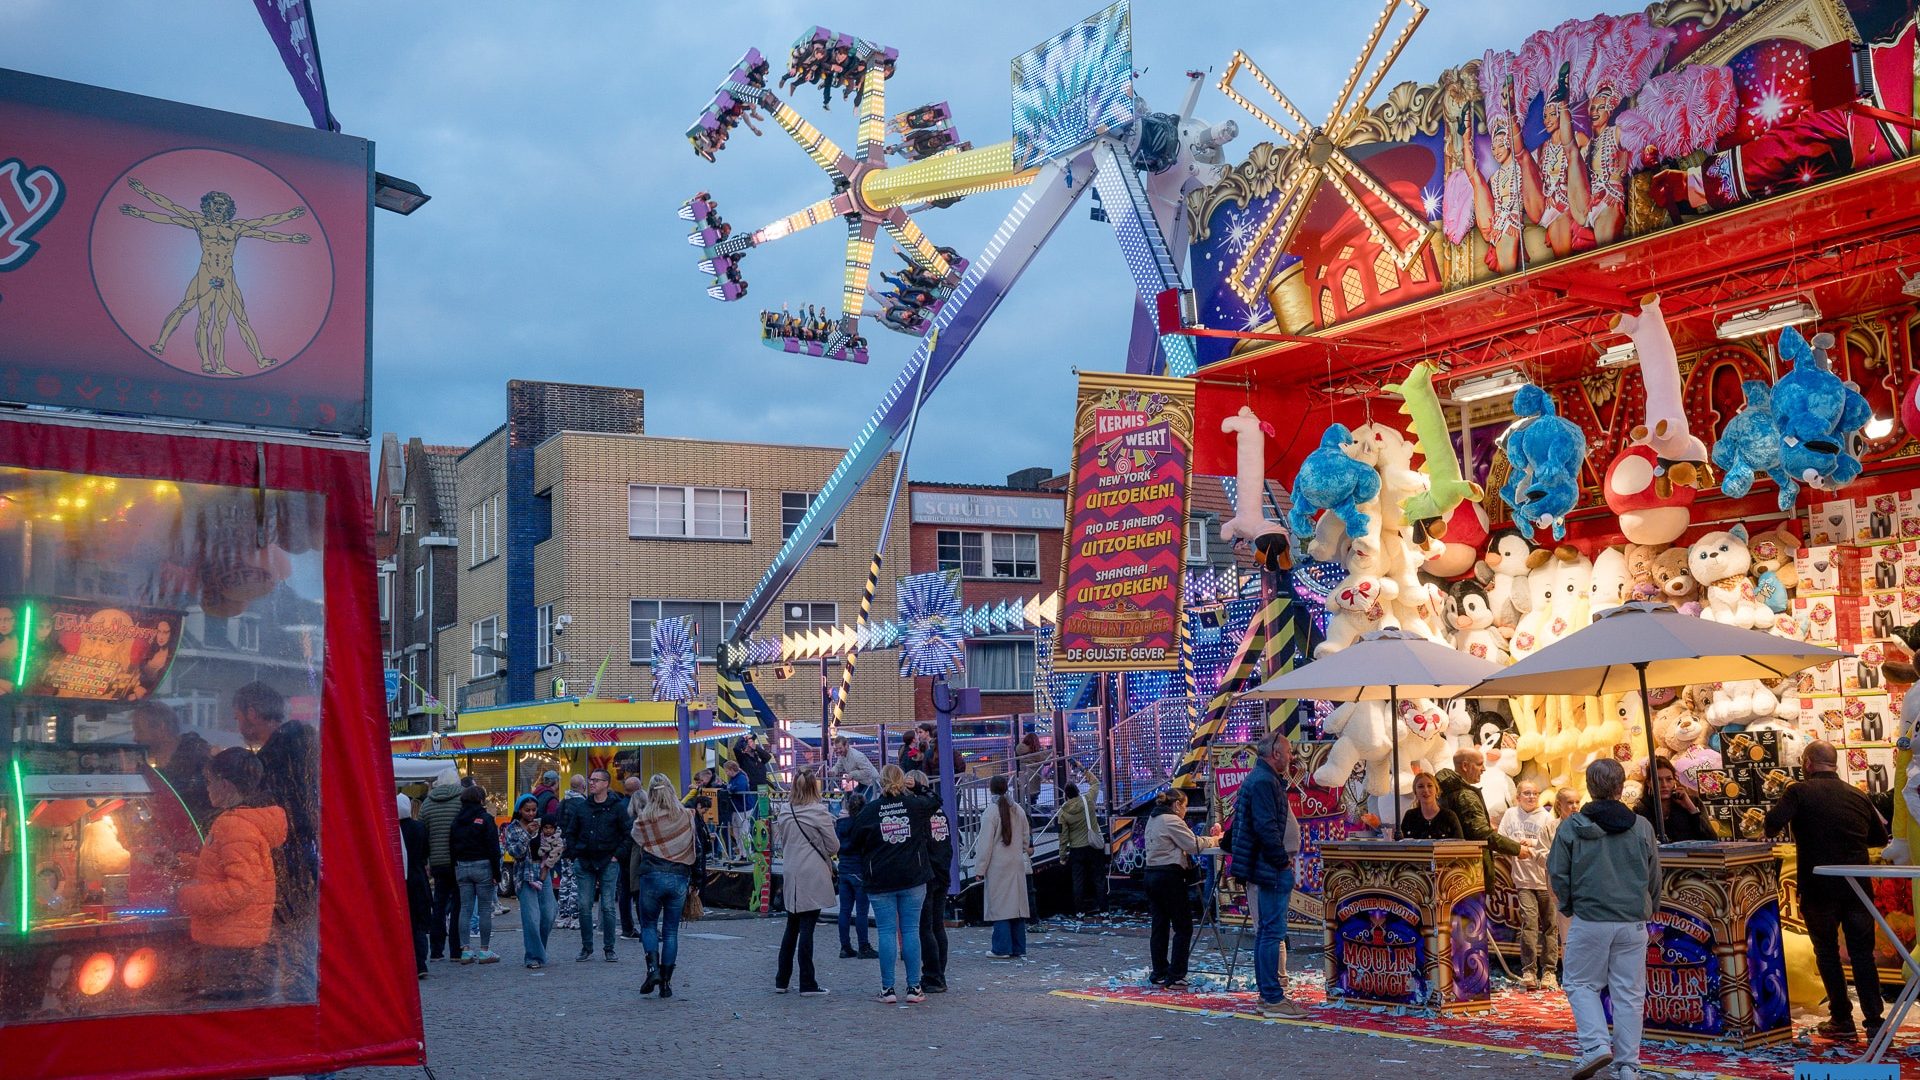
{"points": [[1491, 385], [1618, 356]]}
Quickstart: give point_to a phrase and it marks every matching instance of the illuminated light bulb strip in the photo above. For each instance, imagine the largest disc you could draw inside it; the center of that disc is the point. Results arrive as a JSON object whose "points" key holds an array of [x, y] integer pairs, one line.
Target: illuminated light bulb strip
{"points": [[1141, 244], [873, 111], [944, 176], [798, 221], [1249, 276], [1379, 75], [915, 243], [1241, 60], [853, 290], [824, 151], [1366, 53]]}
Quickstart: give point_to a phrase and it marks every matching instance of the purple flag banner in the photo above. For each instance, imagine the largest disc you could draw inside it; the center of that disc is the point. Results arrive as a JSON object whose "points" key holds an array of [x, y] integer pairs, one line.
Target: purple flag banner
{"points": [[290, 22]]}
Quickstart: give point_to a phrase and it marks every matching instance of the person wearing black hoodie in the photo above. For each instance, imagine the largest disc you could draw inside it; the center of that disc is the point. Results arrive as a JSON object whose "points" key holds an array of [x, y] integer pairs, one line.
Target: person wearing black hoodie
{"points": [[474, 841], [892, 835], [933, 910], [1605, 872]]}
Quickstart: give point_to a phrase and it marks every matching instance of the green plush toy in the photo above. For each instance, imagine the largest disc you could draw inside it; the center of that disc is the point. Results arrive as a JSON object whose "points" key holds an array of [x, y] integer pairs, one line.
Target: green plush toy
{"points": [[1446, 487]]}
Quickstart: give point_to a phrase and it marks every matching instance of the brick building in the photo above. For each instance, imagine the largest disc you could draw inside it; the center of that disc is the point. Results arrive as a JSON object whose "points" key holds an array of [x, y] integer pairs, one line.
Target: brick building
{"points": [[579, 531], [419, 580]]}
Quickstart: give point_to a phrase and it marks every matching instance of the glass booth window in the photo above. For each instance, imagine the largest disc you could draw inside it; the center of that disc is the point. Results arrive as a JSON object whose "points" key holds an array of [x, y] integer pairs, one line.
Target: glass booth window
{"points": [[161, 652]]}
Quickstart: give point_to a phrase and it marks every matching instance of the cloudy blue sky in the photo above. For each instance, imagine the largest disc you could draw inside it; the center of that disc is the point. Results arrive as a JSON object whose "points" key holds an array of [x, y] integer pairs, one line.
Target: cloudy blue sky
{"points": [[549, 135]]}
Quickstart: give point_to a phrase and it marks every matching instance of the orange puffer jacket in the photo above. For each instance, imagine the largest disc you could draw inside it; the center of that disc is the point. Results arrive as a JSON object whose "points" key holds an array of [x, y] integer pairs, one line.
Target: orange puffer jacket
{"points": [[230, 899]]}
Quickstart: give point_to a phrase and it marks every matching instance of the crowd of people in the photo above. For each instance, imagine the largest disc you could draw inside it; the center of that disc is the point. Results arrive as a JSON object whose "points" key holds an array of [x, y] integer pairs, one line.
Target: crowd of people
{"points": [[729, 111], [826, 61], [915, 294], [811, 324]]}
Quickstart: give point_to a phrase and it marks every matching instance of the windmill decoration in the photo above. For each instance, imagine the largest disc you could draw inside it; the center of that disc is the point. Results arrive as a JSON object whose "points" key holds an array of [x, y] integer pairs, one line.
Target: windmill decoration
{"points": [[674, 673], [932, 629], [1317, 155], [869, 194]]}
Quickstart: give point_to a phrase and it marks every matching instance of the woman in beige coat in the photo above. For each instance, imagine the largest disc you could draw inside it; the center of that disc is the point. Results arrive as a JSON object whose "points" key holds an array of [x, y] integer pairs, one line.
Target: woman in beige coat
{"points": [[808, 841], [1002, 856]]}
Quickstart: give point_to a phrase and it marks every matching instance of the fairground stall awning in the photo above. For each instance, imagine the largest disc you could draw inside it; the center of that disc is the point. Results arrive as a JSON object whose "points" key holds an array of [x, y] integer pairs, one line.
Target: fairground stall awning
{"points": [[564, 724]]}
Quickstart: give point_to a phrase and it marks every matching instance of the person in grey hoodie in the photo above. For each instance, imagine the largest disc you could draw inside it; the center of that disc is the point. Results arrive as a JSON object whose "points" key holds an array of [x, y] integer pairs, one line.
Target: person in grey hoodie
{"points": [[1605, 872], [437, 812]]}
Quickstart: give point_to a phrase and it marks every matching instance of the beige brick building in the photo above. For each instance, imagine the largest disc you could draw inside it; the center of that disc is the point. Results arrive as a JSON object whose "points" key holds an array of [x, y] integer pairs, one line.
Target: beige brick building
{"points": [[574, 541]]}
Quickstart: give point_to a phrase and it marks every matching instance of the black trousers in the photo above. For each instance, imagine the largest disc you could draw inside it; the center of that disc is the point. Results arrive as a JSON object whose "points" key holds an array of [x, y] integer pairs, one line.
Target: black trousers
{"points": [[446, 909], [1089, 868], [933, 935], [626, 899], [1172, 911], [1830, 908], [797, 938]]}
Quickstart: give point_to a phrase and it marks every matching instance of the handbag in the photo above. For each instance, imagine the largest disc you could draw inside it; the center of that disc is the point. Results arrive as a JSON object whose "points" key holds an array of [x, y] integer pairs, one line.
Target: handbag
{"points": [[693, 909]]}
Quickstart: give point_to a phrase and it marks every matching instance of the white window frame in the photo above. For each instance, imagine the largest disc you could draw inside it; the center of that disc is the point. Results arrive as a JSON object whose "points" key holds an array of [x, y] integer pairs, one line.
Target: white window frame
{"points": [[243, 633], [690, 519], [486, 632], [812, 621], [543, 636], [407, 691], [974, 669], [1198, 528], [483, 526], [640, 642], [420, 590], [386, 596], [831, 536], [986, 540], [406, 519]]}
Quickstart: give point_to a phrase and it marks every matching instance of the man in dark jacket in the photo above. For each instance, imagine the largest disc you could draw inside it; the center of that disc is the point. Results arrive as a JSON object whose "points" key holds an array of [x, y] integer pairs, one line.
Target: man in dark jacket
{"points": [[1605, 873], [1833, 825], [933, 912], [753, 758], [1261, 862], [437, 811], [1458, 794], [290, 757], [413, 846], [595, 828]]}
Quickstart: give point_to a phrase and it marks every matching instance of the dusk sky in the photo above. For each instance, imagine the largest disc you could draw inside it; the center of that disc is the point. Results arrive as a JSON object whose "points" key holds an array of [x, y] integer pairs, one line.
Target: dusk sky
{"points": [[550, 137]]}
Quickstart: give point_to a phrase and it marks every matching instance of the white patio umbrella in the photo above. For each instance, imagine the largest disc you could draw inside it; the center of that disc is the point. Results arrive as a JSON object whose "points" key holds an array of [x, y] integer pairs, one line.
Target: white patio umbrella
{"points": [[1385, 665], [1634, 646]]}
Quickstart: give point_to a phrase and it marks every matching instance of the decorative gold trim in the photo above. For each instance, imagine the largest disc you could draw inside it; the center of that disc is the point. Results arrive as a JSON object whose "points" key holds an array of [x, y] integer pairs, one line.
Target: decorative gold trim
{"points": [[1810, 22]]}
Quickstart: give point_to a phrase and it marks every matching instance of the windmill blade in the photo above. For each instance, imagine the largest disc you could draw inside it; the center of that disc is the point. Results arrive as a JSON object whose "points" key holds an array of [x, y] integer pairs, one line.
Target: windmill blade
{"points": [[1241, 60], [1366, 53], [872, 132], [915, 243], [853, 288], [1248, 277], [1422, 231], [1340, 124]]}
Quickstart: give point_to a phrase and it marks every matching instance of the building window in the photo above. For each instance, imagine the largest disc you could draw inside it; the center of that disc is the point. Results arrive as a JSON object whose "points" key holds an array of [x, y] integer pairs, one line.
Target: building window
{"points": [[543, 636], [406, 519], [1386, 276], [793, 506], [1011, 556], [409, 696], [244, 632], [798, 617], [419, 591], [689, 513], [1327, 317], [1354, 293], [710, 621], [1198, 530], [483, 528], [386, 596], [1001, 667], [486, 635]]}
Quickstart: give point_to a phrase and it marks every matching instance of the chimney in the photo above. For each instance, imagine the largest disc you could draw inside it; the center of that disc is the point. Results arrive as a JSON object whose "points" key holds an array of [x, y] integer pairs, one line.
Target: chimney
{"points": [[1028, 479]]}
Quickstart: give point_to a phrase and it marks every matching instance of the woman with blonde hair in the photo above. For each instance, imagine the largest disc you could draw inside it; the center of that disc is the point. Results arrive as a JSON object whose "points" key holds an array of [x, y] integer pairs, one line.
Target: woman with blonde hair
{"points": [[807, 843], [667, 838], [891, 834], [1001, 858]]}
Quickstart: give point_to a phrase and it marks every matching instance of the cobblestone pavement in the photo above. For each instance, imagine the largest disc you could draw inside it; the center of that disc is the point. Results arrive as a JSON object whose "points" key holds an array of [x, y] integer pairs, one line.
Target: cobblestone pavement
{"points": [[998, 1020]]}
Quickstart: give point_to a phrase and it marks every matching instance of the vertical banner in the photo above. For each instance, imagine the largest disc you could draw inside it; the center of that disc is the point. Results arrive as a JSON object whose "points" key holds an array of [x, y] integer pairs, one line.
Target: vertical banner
{"points": [[1127, 525], [290, 24]]}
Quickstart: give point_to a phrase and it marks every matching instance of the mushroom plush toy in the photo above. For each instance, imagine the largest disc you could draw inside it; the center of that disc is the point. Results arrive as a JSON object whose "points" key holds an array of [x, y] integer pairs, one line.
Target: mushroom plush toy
{"points": [[1633, 485]]}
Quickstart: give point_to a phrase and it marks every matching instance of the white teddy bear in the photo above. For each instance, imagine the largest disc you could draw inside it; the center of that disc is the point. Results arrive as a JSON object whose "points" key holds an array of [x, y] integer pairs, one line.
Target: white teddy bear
{"points": [[1356, 611], [1719, 561]]}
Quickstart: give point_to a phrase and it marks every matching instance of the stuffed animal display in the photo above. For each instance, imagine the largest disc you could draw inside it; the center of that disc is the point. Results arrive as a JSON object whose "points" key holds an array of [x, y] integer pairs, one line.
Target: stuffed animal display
{"points": [[1681, 456], [1750, 447], [1817, 415], [1332, 480], [1650, 512], [1249, 521], [1544, 451], [1719, 562], [1446, 489]]}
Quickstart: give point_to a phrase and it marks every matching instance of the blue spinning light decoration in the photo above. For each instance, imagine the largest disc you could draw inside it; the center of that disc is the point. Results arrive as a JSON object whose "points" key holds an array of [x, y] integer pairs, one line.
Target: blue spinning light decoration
{"points": [[932, 629], [675, 674], [1074, 86]]}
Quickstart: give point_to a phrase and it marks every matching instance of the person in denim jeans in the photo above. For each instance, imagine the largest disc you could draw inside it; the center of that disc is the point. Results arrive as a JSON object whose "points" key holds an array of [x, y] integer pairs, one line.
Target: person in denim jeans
{"points": [[475, 845], [854, 906], [534, 857], [891, 837], [1263, 861], [596, 827], [668, 859]]}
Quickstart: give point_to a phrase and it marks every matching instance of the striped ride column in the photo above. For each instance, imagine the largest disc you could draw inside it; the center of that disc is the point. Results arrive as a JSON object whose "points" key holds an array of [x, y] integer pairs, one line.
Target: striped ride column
{"points": [[846, 664], [1256, 649]]}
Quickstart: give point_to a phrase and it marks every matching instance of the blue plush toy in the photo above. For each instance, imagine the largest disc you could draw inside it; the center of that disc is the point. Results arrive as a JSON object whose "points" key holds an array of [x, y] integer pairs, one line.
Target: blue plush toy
{"points": [[1817, 415], [1544, 451], [1751, 445], [1331, 480]]}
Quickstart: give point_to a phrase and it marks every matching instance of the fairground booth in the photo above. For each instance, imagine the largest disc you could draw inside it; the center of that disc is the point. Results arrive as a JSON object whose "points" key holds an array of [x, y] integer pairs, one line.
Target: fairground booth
{"points": [[187, 618], [1623, 310]]}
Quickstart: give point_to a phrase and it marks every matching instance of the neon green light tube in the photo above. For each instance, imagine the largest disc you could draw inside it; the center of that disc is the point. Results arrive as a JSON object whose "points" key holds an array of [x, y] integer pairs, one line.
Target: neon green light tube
{"points": [[26, 647], [20, 844]]}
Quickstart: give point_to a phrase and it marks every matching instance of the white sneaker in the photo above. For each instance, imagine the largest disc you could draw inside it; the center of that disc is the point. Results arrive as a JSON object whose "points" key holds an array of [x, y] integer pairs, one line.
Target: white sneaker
{"points": [[1588, 1067]]}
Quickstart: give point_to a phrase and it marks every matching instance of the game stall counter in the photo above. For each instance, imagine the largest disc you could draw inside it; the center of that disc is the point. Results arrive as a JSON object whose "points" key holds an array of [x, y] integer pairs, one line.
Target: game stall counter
{"points": [[1406, 924], [1716, 967]]}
